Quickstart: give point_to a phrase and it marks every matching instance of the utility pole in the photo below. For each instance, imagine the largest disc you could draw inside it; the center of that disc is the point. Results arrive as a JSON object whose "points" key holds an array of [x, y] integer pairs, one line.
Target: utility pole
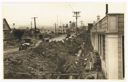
{"points": [[76, 15], [63, 28], [55, 28], [81, 23], [35, 22], [57, 22], [31, 24]]}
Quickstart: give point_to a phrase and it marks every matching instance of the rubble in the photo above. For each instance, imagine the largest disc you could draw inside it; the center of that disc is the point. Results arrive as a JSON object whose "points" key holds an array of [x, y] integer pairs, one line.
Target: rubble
{"points": [[48, 58]]}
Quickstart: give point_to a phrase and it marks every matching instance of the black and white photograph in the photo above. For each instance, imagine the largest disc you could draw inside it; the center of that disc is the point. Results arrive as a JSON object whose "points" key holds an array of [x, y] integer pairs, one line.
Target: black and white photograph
{"points": [[63, 40]]}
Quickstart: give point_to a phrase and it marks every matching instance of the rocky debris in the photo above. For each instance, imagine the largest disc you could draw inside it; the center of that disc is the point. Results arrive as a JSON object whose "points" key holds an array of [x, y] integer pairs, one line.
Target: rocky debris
{"points": [[49, 58]]}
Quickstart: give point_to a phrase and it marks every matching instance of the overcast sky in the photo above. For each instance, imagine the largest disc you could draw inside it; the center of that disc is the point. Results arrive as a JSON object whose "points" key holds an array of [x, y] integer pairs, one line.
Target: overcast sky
{"points": [[49, 12]]}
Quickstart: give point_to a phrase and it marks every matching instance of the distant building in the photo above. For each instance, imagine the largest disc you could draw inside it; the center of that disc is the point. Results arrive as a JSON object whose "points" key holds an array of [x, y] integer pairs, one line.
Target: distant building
{"points": [[6, 29], [87, 28], [107, 36], [62, 29], [65, 27]]}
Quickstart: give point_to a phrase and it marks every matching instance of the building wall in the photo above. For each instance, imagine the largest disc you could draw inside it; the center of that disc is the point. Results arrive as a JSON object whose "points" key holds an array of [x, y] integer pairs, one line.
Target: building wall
{"points": [[94, 41], [121, 23], [107, 35], [111, 60], [6, 30], [120, 55], [102, 52], [6, 25], [112, 24]]}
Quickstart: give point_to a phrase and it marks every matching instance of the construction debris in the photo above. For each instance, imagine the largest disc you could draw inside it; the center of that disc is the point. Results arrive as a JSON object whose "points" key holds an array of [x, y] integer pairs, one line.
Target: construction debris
{"points": [[49, 59]]}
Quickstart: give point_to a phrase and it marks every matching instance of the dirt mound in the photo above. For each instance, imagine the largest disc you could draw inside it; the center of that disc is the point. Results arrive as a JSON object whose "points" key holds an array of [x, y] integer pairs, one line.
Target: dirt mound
{"points": [[47, 58]]}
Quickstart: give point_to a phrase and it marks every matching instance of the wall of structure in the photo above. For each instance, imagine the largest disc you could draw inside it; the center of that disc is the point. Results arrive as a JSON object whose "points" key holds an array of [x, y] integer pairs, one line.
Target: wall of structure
{"points": [[5, 26], [112, 23], [107, 40], [112, 56], [102, 50], [112, 46], [6, 29], [121, 23], [94, 41], [120, 56]]}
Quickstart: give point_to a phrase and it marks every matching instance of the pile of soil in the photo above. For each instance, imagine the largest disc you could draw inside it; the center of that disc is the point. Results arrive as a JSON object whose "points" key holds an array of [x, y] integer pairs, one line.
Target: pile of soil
{"points": [[48, 58]]}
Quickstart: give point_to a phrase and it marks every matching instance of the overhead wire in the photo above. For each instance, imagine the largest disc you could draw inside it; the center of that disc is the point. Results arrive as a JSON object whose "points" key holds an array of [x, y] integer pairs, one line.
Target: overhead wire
{"points": [[69, 5]]}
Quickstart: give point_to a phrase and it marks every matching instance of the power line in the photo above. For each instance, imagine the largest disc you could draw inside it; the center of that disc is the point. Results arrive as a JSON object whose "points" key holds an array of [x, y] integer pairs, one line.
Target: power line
{"points": [[70, 6]]}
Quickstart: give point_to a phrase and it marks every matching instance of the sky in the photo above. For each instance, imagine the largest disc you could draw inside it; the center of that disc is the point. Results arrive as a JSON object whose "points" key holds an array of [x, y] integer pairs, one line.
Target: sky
{"points": [[49, 13]]}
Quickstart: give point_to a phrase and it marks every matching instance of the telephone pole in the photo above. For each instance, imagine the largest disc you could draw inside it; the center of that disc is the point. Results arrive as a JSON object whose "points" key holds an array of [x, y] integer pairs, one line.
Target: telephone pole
{"points": [[81, 23], [76, 15], [31, 24], [55, 28], [35, 22]]}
